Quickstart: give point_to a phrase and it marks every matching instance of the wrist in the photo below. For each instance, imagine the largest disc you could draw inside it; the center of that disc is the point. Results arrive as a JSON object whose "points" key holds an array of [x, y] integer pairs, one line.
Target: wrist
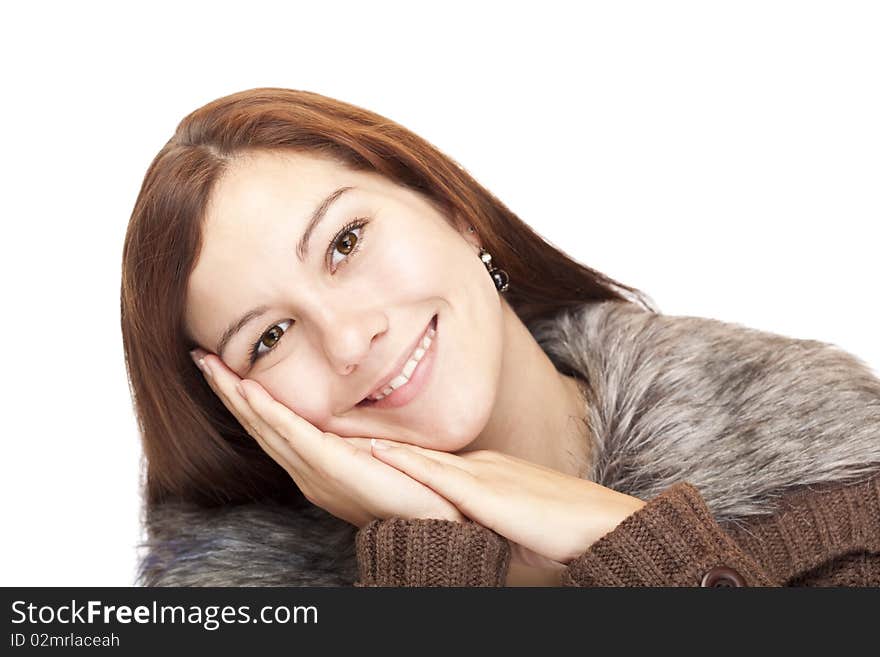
{"points": [[614, 510]]}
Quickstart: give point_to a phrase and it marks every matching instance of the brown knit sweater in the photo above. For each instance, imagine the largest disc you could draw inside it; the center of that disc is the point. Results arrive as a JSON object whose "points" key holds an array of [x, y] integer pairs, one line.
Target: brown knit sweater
{"points": [[826, 535]]}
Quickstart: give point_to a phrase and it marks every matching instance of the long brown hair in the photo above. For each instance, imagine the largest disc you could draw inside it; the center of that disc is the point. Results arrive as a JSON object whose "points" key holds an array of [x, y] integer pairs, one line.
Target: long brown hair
{"points": [[194, 448]]}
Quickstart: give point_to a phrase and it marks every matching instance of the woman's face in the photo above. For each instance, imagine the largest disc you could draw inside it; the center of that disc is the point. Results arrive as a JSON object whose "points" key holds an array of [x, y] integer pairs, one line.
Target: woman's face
{"points": [[333, 326]]}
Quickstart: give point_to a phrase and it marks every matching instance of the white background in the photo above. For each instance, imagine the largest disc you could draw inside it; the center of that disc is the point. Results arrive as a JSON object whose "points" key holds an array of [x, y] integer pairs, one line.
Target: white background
{"points": [[722, 157]]}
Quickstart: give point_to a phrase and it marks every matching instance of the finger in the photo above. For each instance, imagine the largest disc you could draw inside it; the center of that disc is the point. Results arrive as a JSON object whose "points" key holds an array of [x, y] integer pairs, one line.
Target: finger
{"points": [[317, 455], [307, 453], [363, 444], [435, 455], [438, 473], [218, 380], [223, 382], [309, 443]]}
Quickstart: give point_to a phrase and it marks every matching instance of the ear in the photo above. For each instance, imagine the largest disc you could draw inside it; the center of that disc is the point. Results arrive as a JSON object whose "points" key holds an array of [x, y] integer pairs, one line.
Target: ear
{"points": [[471, 236]]}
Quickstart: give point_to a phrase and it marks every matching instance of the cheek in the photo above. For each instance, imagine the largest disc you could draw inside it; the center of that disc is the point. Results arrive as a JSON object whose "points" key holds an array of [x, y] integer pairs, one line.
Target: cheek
{"points": [[416, 261], [288, 388]]}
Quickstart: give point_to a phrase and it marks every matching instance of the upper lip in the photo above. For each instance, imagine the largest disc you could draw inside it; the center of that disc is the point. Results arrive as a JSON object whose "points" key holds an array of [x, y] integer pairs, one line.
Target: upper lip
{"points": [[398, 364]]}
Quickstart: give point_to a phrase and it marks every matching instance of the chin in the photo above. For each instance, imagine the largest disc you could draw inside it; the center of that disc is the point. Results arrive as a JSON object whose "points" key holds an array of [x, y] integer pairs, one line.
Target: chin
{"points": [[447, 442]]}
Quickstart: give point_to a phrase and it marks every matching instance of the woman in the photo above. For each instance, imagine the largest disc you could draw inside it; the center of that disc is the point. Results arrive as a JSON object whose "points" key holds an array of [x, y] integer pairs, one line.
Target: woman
{"points": [[337, 279]]}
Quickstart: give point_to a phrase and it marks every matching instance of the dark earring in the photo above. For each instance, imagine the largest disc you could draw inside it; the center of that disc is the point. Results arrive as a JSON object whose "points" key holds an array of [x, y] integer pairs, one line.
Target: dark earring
{"points": [[502, 280], [499, 276]]}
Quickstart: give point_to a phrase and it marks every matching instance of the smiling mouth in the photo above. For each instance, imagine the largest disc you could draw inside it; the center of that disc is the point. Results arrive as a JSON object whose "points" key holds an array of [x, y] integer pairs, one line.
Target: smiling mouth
{"points": [[367, 401]]}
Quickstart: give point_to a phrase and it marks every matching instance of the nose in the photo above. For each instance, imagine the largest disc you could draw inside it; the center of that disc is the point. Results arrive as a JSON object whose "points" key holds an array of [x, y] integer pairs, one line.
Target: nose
{"points": [[346, 338]]}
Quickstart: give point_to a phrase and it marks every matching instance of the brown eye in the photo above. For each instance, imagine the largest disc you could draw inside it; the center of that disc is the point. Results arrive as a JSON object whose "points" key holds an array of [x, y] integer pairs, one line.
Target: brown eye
{"points": [[347, 243], [268, 340], [271, 336]]}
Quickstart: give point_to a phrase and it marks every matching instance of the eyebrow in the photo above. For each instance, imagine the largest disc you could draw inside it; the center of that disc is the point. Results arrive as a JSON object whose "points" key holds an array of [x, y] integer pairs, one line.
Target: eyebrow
{"points": [[302, 252]]}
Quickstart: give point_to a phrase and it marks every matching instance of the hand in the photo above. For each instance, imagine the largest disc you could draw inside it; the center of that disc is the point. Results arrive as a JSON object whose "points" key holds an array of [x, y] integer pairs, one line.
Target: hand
{"points": [[542, 511], [337, 474]]}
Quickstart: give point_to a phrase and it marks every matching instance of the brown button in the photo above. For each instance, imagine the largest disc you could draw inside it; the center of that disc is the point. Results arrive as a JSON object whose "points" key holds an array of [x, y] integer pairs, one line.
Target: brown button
{"points": [[722, 576]]}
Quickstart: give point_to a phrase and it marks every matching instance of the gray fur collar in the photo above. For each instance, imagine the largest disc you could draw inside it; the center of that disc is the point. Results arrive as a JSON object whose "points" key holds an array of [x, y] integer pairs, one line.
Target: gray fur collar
{"points": [[744, 415]]}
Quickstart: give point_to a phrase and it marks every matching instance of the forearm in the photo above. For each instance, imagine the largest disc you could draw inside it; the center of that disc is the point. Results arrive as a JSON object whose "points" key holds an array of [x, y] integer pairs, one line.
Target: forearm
{"points": [[430, 552], [671, 541]]}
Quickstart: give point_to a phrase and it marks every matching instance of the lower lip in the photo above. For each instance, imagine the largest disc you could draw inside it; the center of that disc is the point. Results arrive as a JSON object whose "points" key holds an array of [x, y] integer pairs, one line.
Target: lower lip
{"points": [[407, 392]]}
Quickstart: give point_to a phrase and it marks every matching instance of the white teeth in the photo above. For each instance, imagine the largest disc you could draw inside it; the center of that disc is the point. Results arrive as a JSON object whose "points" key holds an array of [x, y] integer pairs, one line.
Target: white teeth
{"points": [[409, 368]]}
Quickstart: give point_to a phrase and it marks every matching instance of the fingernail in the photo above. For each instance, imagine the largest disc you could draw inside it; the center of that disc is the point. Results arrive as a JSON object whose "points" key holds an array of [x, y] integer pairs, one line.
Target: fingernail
{"points": [[378, 444], [240, 389], [198, 358]]}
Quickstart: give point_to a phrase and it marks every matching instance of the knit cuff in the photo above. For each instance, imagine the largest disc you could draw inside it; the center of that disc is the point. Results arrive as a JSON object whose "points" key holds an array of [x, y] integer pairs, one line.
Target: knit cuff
{"points": [[671, 541], [430, 552]]}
